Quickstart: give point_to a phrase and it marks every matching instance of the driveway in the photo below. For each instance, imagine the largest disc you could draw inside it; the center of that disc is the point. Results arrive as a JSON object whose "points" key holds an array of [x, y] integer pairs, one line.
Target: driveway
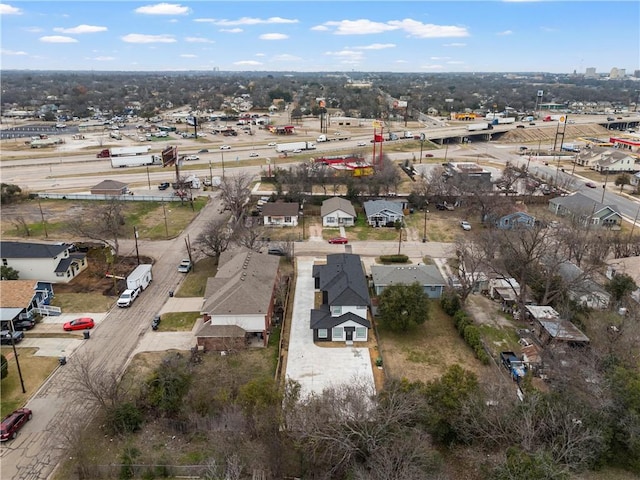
{"points": [[317, 368]]}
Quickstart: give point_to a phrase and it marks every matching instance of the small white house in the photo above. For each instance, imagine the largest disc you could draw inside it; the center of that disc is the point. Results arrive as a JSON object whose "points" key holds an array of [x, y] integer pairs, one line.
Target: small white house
{"points": [[280, 214], [337, 212], [55, 263]]}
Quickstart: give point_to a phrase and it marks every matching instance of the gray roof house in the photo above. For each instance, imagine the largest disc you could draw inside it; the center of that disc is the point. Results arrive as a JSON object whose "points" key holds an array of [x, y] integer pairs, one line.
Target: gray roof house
{"points": [[343, 314], [426, 275], [549, 327], [582, 288], [515, 220], [110, 187], [280, 214], [337, 212], [47, 262], [609, 159], [382, 213], [586, 211], [239, 301]]}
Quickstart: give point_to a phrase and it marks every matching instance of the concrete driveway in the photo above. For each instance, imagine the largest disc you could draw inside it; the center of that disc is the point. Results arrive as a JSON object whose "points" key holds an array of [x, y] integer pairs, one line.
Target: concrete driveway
{"points": [[317, 368]]}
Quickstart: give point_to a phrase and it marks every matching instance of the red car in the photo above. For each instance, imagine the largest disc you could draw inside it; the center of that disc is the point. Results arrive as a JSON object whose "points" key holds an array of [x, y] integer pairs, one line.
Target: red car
{"points": [[83, 323], [14, 422], [338, 240]]}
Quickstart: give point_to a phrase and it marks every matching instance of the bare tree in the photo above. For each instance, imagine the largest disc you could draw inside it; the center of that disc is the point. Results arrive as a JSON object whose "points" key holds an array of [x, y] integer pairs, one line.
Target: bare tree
{"points": [[472, 261], [214, 238], [248, 233], [106, 388], [103, 222], [234, 191], [21, 225]]}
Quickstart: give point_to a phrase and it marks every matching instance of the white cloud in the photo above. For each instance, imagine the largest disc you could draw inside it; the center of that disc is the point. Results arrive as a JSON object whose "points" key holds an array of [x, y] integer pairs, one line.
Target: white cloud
{"points": [[455, 62], [231, 30], [251, 63], [223, 22], [432, 67], [57, 39], [198, 40], [359, 27], [12, 52], [102, 59], [188, 55], [320, 28], [163, 9], [285, 57], [273, 36], [506, 32], [141, 38], [456, 45], [9, 10], [438, 58], [353, 55], [429, 30], [33, 29], [81, 29], [260, 55], [376, 46]]}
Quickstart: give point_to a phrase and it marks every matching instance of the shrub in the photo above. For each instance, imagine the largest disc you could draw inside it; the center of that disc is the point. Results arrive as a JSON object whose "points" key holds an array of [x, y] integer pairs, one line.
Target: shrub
{"points": [[124, 418], [394, 258], [450, 302], [472, 336]]}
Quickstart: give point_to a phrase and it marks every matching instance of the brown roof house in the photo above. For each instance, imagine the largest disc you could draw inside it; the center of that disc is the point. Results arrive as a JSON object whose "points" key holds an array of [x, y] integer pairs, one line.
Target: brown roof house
{"points": [[239, 301], [280, 214], [23, 299], [110, 187]]}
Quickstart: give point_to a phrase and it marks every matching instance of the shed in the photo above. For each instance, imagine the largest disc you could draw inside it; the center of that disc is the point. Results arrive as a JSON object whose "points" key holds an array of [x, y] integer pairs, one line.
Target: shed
{"points": [[110, 187]]}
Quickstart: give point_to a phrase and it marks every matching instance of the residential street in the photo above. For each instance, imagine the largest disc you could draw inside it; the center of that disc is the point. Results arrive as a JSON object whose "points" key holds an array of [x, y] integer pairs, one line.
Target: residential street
{"points": [[34, 454]]}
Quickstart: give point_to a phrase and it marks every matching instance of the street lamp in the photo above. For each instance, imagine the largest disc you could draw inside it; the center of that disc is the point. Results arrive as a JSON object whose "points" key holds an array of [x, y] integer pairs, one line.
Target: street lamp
{"points": [[422, 137], [222, 154], [15, 355]]}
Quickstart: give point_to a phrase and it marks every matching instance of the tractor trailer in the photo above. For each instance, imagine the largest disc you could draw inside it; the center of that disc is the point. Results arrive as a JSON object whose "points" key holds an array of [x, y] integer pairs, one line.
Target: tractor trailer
{"points": [[122, 152], [135, 161], [291, 146], [475, 127]]}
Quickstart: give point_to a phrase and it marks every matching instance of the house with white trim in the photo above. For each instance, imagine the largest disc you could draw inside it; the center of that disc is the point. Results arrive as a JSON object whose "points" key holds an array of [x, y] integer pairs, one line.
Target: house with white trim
{"points": [[337, 212], [280, 214], [428, 276], [343, 315], [586, 211], [47, 262], [383, 213]]}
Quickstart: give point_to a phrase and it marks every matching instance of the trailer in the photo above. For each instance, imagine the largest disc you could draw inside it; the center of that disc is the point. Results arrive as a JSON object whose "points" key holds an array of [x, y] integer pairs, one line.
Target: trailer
{"points": [[474, 127], [291, 146], [135, 161], [128, 151], [324, 138], [140, 278], [503, 120]]}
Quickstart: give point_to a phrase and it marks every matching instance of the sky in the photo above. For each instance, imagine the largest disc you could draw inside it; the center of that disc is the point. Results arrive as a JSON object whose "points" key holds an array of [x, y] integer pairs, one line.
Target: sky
{"points": [[321, 36]]}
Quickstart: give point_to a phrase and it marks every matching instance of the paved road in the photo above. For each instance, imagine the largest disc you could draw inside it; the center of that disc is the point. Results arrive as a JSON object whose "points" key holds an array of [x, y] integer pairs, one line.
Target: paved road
{"points": [[37, 449]]}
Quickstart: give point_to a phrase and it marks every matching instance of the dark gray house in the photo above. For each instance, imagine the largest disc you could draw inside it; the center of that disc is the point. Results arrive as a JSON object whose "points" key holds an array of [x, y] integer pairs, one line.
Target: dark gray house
{"points": [[343, 314], [586, 211]]}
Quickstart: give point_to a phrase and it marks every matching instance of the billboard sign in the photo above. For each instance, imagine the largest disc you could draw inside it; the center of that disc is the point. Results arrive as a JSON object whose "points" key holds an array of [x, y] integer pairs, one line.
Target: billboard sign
{"points": [[169, 156]]}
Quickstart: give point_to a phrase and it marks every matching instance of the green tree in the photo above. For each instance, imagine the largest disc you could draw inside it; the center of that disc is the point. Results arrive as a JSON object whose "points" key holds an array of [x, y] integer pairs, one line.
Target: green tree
{"points": [[521, 465], [620, 286], [403, 306], [8, 273]]}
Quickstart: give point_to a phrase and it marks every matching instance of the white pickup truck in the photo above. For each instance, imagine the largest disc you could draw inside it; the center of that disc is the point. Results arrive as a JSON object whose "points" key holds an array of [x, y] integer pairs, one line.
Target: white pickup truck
{"points": [[127, 297]]}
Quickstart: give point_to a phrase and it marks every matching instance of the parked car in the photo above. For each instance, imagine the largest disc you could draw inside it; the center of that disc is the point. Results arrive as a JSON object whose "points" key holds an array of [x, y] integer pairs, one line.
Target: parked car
{"points": [[27, 324], [465, 225], [185, 266], [82, 323], [276, 251], [339, 240], [13, 422], [128, 297], [164, 186], [155, 323], [5, 337], [225, 147], [591, 185]]}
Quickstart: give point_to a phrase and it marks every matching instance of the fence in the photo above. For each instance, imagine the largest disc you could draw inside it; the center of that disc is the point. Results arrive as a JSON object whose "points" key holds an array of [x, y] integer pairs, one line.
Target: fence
{"points": [[125, 198]]}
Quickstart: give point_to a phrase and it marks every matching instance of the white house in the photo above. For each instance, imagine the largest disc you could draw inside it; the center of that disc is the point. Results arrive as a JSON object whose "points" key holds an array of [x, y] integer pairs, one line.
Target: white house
{"points": [[55, 263], [337, 212], [343, 314], [382, 213], [280, 214]]}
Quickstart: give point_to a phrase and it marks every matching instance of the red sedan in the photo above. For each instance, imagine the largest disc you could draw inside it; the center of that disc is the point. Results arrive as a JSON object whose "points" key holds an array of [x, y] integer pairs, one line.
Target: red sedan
{"points": [[84, 323], [14, 422], [341, 240]]}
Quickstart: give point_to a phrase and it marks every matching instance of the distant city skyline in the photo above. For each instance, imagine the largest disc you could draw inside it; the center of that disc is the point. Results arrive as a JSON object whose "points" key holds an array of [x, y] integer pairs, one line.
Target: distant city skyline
{"points": [[317, 36]]}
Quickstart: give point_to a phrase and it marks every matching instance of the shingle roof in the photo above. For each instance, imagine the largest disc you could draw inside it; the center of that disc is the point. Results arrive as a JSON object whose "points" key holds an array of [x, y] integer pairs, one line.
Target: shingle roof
{"points": [[405, 275], [343, 279], [17, 293], [243, 285], [579, 203], [280, 209], [64, 263], [31, 250], [373, 207], [322, 319], [337, 203], [109, 185]]}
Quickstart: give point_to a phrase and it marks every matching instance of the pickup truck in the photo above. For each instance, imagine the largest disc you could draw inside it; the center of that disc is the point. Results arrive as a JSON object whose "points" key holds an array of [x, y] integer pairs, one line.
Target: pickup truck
{"points": [[514, 365], [127, 297]]}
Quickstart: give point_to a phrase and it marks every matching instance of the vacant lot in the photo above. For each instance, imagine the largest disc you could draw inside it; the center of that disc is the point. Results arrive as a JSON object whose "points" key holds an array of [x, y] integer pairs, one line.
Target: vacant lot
{"points": [[424, 353]]}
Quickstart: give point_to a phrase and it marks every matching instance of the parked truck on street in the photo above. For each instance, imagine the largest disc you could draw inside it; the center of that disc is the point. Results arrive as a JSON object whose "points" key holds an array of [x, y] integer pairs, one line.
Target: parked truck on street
{"points": [[291, 146], [514, 365], [140, 278], [128, 297]]}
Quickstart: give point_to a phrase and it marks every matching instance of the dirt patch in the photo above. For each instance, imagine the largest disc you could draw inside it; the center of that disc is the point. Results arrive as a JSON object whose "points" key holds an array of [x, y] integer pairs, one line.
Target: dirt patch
{"points": [[485, 311]]}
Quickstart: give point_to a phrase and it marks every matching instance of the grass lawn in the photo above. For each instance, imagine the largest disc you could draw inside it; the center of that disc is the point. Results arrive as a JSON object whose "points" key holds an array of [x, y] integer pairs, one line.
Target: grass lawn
{"points": [[196, 280], [82, 302], [425, 352], [178, 321], [34, 370]]}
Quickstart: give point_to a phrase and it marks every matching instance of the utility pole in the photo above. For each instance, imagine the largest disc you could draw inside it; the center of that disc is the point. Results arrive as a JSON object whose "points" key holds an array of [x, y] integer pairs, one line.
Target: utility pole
{"points": [[15, 354], [604, 187], [222, 155], [135, 235], [44, 224]]}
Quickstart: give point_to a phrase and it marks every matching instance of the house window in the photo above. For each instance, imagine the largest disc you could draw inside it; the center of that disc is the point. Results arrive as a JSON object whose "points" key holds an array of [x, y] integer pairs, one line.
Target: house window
{"points": [[4, 262], [287, 219], [338, 332], [336, 311], [433, 289], [323, 333], [68, 273], [361, 333], [59, 274], [331, 219]]}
